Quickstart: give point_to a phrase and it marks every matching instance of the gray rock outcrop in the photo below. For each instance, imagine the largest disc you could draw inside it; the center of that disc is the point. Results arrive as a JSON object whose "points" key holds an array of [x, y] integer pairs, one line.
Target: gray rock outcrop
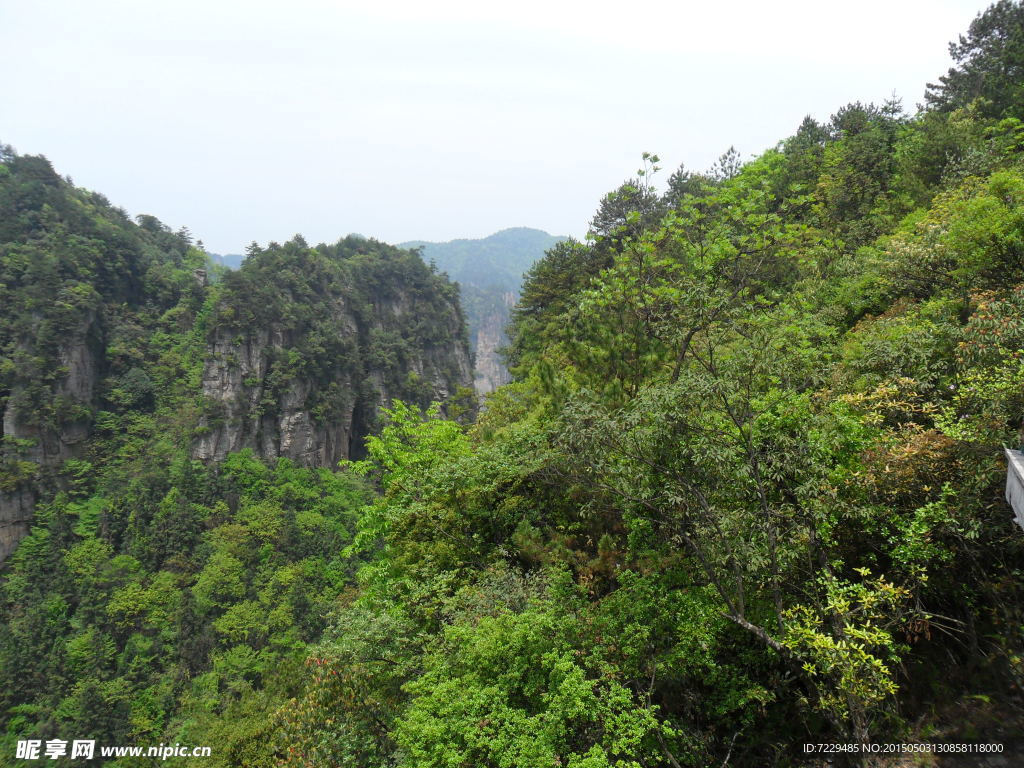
{"points": [[31, 440], [251, 404]]}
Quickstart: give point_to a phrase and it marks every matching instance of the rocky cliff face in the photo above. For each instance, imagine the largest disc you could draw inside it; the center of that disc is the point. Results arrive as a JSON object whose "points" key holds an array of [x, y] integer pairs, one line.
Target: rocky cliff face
{"points": [[51, 438], [490, 273], [244, 411], [110, 332], [488, 337], [16, 508], [39, 440], [310, 389]]}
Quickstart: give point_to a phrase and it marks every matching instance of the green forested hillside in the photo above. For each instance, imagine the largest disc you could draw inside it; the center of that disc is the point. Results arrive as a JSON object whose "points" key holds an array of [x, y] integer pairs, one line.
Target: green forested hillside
{"points": [[151, 590], [744, 493]]}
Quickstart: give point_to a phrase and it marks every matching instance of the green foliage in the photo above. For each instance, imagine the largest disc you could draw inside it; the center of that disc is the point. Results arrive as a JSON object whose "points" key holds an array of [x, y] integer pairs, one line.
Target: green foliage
{"points": [[989, 64], [522, 689], [155, 598], [857, 171], [748, 477], [745, 492], [171, 647]]}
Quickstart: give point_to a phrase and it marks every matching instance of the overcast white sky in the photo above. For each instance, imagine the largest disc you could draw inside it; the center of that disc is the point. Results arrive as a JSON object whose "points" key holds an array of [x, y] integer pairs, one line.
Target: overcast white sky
{"points": [[430, 120]]}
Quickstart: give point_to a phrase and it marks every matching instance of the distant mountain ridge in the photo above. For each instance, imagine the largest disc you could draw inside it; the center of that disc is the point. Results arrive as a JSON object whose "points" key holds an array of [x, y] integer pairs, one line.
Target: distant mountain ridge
{"points": [[229, 260], [498, 260], [490, 272]]}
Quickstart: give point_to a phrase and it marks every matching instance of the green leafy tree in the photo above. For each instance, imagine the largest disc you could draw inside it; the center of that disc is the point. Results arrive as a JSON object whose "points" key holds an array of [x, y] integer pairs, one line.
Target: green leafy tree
{"points": [[989, 65]]}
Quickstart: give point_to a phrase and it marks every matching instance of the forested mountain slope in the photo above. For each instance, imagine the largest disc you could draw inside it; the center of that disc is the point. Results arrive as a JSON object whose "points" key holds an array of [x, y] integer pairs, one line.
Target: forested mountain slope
{"points": [[79, 284], [171, 528], [291, 355], [305, 345], [744, 493], [746, 490]]}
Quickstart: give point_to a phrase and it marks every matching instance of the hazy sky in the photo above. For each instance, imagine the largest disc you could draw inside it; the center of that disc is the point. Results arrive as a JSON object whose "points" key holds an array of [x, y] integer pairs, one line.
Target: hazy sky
{"points": [[430, 120]]}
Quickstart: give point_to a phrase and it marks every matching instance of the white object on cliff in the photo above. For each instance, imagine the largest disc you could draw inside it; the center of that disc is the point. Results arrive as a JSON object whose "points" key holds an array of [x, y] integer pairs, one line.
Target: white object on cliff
{"points": [[1015, 484]]}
